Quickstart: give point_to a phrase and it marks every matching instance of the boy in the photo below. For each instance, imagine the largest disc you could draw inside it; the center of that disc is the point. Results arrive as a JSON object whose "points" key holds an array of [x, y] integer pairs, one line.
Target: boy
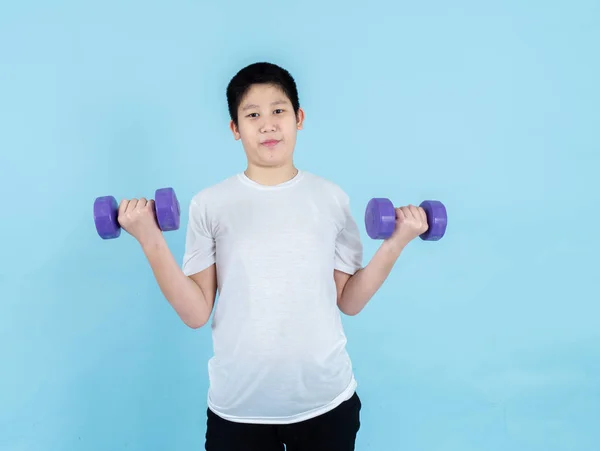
{"points": [[280, 246]]}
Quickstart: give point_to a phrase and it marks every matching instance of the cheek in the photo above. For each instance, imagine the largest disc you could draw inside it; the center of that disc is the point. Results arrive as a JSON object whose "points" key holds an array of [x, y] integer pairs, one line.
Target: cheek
{"points": [[291, 129], [247, 135]]}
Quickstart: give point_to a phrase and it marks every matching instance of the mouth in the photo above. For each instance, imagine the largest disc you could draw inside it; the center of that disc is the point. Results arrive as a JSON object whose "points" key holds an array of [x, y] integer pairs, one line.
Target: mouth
{"points": [[270, 143]]}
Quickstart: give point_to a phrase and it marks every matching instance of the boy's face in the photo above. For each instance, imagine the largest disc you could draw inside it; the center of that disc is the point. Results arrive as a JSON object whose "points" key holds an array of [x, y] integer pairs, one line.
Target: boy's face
{"points": [[267, 126]]}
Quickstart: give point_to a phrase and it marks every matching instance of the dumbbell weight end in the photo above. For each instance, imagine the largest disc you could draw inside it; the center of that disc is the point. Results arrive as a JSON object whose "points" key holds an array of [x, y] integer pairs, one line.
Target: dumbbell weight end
{"points": [[105, 217], [437, 219], [168, 212]]}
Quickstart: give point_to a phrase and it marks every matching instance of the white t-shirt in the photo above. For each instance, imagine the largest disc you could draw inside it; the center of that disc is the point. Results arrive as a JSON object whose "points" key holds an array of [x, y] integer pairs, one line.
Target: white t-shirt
{"points": [[279, 345]]}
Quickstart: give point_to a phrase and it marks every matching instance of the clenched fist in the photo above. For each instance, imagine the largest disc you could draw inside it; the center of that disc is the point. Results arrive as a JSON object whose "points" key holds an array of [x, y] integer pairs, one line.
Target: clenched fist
{"points": [[138, 218], [411, 221]]}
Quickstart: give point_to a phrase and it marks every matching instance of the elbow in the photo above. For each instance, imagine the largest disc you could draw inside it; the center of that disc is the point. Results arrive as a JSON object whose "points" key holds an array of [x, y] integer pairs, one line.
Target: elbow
{"points": [[348, 310], [195, 322]]}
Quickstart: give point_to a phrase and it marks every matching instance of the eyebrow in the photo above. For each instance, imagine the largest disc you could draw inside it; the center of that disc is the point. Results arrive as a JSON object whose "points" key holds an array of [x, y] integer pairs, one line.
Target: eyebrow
{"points": [[251, 105]]}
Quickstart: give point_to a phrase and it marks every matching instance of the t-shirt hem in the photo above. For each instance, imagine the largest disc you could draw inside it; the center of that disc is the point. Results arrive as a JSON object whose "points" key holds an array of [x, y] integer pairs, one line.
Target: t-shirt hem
{"points": [[344, 396], [197, 266], [348, 269]]}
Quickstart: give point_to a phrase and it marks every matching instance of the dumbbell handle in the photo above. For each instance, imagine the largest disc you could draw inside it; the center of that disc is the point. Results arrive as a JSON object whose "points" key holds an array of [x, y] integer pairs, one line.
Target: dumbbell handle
{"points": [[166, 209], [380, 219]]}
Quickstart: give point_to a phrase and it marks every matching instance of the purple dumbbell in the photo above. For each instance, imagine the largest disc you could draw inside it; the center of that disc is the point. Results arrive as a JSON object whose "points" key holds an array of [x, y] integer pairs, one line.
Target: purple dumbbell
{"points": [[106, 212], [380, 219]]}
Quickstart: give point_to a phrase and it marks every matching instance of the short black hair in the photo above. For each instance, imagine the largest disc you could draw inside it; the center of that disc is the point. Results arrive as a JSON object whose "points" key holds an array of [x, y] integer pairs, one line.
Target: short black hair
{"points": [[260, 73]]}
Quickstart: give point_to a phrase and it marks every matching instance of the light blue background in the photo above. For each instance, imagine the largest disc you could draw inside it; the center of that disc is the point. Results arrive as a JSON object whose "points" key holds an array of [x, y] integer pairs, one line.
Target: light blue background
{"points": [[488, 340]]}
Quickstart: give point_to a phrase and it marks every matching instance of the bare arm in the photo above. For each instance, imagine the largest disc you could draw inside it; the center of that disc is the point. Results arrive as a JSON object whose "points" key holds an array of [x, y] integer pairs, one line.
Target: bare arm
{"points": [[192, 297], [354, 292]]}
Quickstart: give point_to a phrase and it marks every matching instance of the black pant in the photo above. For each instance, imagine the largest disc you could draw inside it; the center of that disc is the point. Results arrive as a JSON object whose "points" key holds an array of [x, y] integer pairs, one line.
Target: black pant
{"points": [[332, 431]]}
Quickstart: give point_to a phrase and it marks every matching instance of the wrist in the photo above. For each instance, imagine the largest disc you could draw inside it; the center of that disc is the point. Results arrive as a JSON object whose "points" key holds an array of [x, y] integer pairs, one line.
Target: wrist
{"points": [[151, 241], [394, 246]]}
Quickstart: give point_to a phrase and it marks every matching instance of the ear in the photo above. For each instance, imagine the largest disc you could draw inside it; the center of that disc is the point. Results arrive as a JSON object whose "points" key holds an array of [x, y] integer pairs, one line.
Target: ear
{"points": [[300, 118], [234, 130]]}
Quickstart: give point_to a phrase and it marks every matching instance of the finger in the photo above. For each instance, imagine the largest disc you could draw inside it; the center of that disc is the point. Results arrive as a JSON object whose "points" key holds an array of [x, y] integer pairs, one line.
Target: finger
{"points": [[131, 205], [123, 207], [151, 204], [423, 214], [400, 214], [407, 212], [415, 212], [142, 202]]}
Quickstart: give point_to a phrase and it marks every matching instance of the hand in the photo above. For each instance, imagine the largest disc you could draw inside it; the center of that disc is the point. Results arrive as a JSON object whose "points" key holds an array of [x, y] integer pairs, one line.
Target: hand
{"points": [[138, 218], [411, 221]]}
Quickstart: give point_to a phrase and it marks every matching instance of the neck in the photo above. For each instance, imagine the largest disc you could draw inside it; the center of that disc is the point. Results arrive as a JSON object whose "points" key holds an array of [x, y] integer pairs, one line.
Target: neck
{"points": [[270, 176]]}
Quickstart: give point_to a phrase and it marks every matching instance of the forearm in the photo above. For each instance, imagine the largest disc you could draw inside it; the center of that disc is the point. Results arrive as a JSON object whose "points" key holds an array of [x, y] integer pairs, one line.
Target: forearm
{"points": [[361, 287], [183, 294]]}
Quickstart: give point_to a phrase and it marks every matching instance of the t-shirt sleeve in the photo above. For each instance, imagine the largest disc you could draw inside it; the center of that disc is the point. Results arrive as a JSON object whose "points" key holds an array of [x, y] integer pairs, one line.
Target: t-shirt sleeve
{"points": [[199, 243], [348, 245]]}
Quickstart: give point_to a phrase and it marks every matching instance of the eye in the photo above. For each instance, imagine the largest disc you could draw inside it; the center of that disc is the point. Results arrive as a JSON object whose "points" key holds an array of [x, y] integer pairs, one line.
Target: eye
{"points": [[279, 110], [252, 115]]}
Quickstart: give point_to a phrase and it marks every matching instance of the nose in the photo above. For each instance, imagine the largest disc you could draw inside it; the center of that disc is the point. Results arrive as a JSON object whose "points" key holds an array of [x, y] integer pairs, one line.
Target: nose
{"points": [[269, 125]]}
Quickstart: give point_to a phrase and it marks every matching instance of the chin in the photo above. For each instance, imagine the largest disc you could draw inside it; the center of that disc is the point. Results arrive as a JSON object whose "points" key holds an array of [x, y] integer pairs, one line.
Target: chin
{"points": [[274, 163], [274, 159]]}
